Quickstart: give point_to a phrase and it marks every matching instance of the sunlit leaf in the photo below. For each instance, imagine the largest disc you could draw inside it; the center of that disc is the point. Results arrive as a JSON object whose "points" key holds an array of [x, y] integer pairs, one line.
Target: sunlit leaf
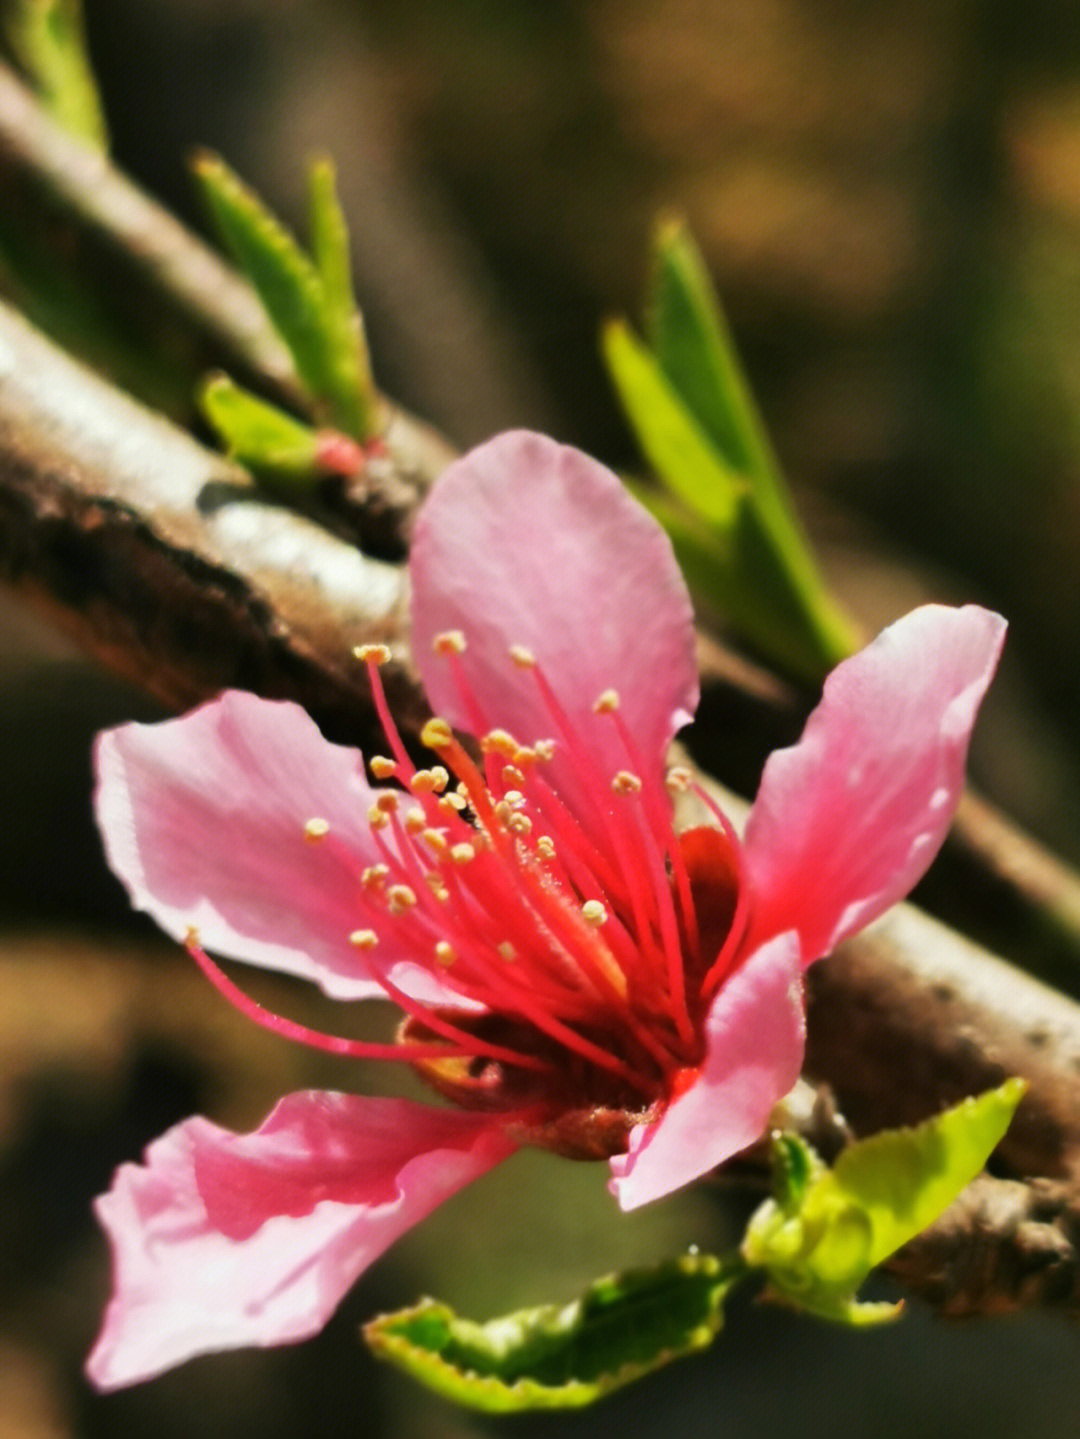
{"points": [[686, 329], [328, 352], [673, 441], [48, 39], [817, 1241], [258, 434], [561, 1356]]}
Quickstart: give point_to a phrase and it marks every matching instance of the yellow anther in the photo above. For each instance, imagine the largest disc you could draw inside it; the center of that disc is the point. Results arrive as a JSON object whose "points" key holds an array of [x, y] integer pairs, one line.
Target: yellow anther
{"points": [[434, 882], [191, 937], [452, 803], [519, 823], [545, 748], [399, 898], [383, 767], [507, 950], [514, 798], [377, 818], [607, 703], [499, 741], [678, 779], [363, 939], [450, 642], [522, 657], [429, 781], [435, 840], [445, 952], [462, 853], [593, 913], [503, 811], [626, 783], [545, 847], [373, 877], [436, 734], [388, 801], [316, 829], [372, 654], [415, 821], [512, 775], [525, 758]]}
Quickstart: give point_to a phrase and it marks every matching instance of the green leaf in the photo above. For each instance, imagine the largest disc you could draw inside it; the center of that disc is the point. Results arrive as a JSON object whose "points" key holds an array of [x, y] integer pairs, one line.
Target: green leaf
{"points": [[674, 443], [902, 1179], [818, 1240], [259, 435], [327, 348], [48, 39], [686, 328], [561, 1357]]}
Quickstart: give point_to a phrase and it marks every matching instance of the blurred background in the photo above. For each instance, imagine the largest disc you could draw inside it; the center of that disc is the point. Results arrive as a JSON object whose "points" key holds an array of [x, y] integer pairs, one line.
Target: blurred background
{"points": [[889, 197]]}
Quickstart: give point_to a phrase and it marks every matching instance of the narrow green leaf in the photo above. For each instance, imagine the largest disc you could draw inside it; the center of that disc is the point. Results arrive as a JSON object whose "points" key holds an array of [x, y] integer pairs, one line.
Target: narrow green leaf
{"points": [[673, 441], [293, 293], [48, 38], [333, 260], [258, 434], [686, 328], [817, 1247], [561, 1357]]}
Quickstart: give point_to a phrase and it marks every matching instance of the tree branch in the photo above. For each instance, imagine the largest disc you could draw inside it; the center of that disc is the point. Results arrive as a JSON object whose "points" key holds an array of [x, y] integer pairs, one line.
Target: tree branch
{"points": [[173, 568]]}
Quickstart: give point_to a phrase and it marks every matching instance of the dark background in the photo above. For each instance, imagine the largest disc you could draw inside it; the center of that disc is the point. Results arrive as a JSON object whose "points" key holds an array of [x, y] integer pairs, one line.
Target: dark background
{"points": [[889, 196]]}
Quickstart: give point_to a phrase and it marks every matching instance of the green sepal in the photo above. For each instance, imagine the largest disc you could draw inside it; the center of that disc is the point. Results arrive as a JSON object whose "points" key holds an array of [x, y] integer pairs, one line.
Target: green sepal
{"points": [[561, 1356], [267, 440], [309, 303], [820, 1236], [48, 38]]}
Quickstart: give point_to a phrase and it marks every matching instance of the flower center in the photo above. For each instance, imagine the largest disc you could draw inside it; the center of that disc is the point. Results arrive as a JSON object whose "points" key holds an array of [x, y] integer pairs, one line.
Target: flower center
{"points": [[591, 934]]}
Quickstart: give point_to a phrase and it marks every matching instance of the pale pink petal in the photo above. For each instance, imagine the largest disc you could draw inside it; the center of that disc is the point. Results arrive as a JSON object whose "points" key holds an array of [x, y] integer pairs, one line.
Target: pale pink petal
{"points": [[527, 542], [848, 820], [222, 1240], [203, 820], [755, 1033]]}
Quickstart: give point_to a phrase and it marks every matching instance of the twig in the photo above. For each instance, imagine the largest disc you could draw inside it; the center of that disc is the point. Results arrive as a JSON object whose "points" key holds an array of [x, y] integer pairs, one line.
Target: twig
{"points": [[171, 567]]}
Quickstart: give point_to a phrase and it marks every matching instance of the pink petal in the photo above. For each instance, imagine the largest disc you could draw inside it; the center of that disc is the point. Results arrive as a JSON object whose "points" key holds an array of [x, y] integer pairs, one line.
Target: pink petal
{"points": [[203, 820], [526, 542], [849, 819], [222, 1240], [756, 1034]]}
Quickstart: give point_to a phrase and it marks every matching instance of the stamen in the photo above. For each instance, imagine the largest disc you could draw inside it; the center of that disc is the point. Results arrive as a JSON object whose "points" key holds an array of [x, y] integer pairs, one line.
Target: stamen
{"points": [[429, 781], [436, 734], [593, 913], [373, 877], [545, 847], [626, 783], [445, 952], [499, 741], [506, 949], [382, 767], [313, 1038], [522, 657], [372, 654], [316, 829], [415, 821], [450, 642], [399, 898], [607, 703], [363, 939], [462, 853]]}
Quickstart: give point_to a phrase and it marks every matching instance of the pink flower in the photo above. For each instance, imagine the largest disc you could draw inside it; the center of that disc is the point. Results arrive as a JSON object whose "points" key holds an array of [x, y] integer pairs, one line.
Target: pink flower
{"points": [[572, 971]]}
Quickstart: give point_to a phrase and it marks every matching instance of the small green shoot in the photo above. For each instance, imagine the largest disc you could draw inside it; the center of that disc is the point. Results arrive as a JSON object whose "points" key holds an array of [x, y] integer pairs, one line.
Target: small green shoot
{"points": [[48, 39], [309, 299]]}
